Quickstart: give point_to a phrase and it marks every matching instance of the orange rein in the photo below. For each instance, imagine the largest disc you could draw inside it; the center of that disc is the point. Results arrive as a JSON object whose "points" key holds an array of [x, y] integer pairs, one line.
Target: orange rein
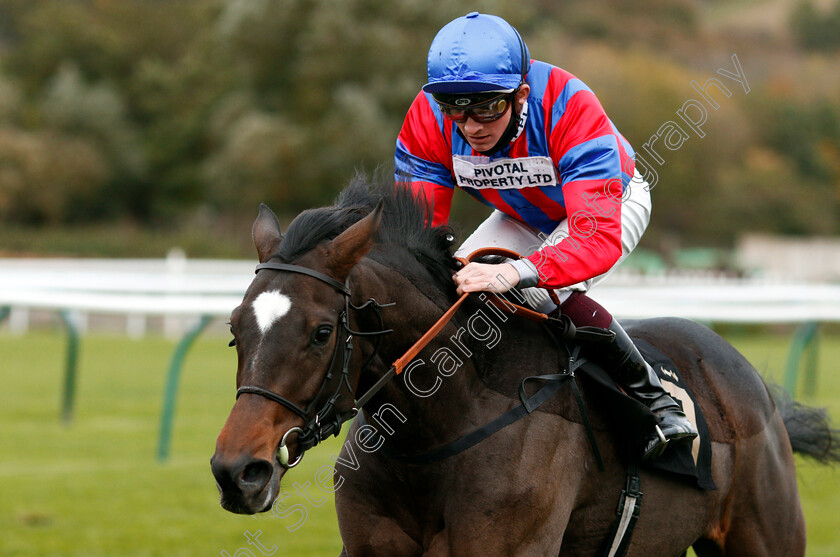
{"points": [[505, 306]]}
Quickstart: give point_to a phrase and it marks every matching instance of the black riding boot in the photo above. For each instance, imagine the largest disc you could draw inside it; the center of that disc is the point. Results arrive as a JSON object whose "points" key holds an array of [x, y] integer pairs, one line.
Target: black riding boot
{"points": [[623, 361]]}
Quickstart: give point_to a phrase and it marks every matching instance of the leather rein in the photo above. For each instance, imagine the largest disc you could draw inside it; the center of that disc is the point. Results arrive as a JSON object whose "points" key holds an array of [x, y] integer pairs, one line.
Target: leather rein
{"points": [[326, 421]]}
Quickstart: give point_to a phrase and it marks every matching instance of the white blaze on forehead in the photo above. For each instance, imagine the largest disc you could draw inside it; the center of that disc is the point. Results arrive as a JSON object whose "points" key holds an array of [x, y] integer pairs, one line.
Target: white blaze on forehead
{"points": [[269, 307]]}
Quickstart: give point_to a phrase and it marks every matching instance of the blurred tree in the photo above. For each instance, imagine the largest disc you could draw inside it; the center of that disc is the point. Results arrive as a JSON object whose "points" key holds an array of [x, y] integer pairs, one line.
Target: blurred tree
{"points": [[658, 23], [96, 113], [155, 111], [340, 77], [10, 100], [815, 28], [258, 153], [47, 177], [155, 74]]}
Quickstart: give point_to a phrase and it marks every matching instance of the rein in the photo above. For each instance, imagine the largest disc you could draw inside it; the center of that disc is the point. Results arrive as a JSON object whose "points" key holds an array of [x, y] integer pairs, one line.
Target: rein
{"points": [[324, 425], [509, 307]]}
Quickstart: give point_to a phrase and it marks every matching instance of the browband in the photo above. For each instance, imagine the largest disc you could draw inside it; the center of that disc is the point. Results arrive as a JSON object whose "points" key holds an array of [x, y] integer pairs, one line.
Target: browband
{"points": [[304, 271]]}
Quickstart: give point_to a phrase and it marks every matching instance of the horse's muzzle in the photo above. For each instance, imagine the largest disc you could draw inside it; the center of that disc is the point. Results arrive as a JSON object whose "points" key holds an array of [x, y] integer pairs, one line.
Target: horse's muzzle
{"points": [[246, 485]]}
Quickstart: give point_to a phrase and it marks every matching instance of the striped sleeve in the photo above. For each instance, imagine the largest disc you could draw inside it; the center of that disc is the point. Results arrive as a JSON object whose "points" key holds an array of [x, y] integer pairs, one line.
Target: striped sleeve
{"points": [[423, 158], [590, 159]]}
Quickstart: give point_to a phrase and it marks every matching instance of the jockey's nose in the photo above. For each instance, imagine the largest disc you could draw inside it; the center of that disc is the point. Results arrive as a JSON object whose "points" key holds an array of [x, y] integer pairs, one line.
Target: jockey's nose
{"points": [[471, 126], [243, 477]]}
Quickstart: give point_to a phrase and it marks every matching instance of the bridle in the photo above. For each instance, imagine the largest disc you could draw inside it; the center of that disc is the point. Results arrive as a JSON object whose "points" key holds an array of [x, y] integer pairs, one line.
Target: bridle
{"points": [[325, 421]]}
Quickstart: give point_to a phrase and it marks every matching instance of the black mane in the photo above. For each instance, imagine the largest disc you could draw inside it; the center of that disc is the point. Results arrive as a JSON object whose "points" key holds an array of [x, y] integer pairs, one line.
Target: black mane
{"points": [[403, 226]]}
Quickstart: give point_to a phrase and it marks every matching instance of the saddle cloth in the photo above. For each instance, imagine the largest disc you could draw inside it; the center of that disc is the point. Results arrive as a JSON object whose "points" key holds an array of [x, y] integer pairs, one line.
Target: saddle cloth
{"points": [[634, 422]]}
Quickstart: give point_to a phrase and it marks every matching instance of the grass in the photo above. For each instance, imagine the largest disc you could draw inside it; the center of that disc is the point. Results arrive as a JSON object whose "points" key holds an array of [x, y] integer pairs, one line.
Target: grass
{"points": [[93, 488]]}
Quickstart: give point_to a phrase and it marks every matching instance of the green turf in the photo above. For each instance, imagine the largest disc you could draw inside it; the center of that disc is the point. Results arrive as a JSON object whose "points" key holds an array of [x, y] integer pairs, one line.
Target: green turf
{"points": [[94, 488]]}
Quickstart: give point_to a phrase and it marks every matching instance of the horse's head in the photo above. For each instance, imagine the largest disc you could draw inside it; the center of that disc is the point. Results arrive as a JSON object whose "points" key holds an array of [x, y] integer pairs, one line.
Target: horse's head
{"points": [[291, 342]]}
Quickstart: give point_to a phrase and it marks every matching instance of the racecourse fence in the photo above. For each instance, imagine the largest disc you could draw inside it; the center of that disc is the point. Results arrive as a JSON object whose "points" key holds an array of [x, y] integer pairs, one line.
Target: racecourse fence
{"points": [[187, 295], [176, 287]]}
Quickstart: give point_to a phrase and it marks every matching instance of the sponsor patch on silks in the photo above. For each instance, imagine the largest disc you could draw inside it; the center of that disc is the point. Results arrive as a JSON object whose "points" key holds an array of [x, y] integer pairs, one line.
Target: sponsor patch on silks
{"points": [[503, 174]]}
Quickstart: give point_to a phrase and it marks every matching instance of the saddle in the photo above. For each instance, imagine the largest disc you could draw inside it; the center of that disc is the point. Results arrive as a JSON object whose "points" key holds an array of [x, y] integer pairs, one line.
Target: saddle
{"points": [[604, 406], [632, 421]]}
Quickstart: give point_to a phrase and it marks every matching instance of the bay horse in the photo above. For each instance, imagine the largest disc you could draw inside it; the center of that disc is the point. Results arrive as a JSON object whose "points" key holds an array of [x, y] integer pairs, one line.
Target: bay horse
{"points": [[351, 287]]}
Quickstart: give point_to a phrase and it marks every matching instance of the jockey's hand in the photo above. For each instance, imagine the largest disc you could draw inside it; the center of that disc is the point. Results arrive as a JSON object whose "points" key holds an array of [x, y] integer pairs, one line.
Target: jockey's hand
{"points": [[477, 277]]}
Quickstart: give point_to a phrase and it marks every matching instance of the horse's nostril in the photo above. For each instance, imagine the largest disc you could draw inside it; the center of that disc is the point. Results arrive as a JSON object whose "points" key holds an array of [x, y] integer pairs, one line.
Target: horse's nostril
{"points": [[255, 474], [245, 476]]}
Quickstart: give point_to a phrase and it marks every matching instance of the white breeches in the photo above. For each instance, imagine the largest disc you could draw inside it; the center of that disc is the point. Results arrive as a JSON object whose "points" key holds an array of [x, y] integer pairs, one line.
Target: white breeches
{"points": [[500, 230]]}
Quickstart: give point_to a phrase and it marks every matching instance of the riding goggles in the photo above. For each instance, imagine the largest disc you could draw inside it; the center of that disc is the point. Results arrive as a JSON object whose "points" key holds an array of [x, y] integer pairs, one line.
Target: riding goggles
{"points": [[481, 107]]}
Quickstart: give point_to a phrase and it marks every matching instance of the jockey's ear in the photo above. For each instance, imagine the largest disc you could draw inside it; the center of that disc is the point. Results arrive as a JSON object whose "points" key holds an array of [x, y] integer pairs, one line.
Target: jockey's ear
{"points": [[352, 244], [266, 233], [522, 96]]}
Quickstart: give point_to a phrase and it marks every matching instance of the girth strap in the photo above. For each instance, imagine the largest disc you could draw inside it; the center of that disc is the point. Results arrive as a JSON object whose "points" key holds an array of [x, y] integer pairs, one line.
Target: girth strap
{"points": [[629, 509], [553, 383], [477, 436]]}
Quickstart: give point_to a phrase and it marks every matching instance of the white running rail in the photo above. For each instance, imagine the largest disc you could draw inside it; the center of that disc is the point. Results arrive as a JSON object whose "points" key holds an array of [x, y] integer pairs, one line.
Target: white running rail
{"points": [[177, 287]]}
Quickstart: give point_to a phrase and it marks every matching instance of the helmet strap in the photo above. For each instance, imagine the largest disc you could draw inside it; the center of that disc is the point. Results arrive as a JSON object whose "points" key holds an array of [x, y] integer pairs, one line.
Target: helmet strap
{"points": [[506, 138]]}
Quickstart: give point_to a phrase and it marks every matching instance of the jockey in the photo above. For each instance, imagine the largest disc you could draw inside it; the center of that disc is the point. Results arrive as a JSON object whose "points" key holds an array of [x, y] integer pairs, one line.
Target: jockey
{"points": [[532, 141]]}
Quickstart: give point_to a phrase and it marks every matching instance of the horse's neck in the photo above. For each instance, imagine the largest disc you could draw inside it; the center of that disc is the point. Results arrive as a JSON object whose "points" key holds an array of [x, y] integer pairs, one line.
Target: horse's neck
{"points": [[425, 396]]}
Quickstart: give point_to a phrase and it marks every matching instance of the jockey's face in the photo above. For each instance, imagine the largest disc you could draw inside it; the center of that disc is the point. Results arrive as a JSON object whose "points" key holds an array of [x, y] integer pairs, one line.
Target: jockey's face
{"points": [[483, 137]]}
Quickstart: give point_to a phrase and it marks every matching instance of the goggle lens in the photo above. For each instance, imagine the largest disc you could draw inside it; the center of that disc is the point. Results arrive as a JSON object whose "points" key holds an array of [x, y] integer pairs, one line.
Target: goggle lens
{"points": [[484, 114]]}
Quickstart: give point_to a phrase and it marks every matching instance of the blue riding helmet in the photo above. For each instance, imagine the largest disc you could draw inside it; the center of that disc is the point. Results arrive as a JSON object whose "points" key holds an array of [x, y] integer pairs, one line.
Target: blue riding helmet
{"points": [[477, 53]]}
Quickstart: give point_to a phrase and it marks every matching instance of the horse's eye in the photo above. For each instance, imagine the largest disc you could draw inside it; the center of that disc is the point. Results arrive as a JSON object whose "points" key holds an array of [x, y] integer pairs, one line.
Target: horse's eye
{"points": [[321, 335]]}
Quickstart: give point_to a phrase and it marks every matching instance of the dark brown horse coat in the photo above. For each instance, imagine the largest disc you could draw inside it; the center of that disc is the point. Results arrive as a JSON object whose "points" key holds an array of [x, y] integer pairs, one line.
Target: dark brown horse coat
{"points": [[532, 488]]}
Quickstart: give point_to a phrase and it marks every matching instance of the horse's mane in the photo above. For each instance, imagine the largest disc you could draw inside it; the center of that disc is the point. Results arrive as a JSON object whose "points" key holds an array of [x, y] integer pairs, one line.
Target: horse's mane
{"points": [[404, 238], [406, 244]]}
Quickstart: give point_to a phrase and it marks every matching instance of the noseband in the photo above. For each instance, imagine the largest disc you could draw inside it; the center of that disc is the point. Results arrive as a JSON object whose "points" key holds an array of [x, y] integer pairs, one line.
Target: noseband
{"points": [[326, 421]]}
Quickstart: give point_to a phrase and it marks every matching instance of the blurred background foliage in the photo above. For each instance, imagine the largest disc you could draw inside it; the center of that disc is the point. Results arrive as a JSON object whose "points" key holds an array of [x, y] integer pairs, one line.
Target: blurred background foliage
{"points": [[151, 119]]}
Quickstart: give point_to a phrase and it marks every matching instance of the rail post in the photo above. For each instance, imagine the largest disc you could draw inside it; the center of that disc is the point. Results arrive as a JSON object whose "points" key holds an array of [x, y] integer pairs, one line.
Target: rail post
{"points": [[805, 339], [70, 365], [170, 394]]}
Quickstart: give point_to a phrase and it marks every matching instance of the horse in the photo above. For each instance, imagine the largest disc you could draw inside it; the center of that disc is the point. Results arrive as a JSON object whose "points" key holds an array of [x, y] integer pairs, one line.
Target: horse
{"points": [[350, 288]]}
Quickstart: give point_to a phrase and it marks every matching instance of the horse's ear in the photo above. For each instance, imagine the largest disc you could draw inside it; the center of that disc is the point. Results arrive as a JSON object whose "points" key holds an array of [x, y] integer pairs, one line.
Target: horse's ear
{"points": [[351, 245], [266, 233]]}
